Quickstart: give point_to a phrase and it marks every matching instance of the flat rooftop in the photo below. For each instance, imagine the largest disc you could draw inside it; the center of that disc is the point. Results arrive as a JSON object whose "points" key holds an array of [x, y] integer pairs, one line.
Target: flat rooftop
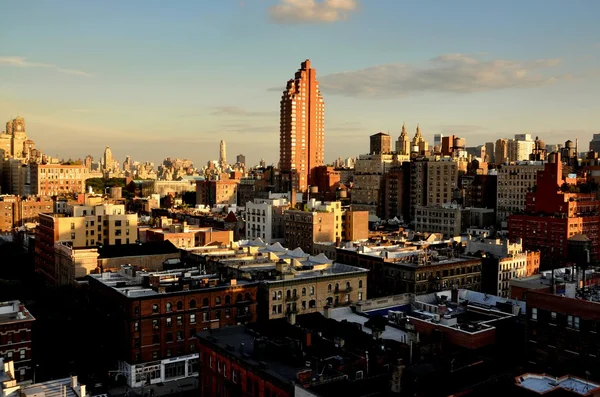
{"points": [[12, 312], [239, 342], [542, 384], [132, 283]]}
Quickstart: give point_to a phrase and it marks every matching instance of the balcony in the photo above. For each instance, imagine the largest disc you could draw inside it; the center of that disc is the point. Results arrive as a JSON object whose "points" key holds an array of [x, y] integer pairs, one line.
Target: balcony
{"points": [[291, 298]]}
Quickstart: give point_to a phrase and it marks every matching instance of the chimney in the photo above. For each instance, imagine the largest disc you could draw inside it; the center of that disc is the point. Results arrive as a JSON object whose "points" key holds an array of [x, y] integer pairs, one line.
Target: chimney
{"points": [[454, 297], [326, 312], [73, 381], [82, 391]]}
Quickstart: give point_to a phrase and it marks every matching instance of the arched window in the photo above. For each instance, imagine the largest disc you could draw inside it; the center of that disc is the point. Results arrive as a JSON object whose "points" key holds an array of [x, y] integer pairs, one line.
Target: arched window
{"points": [[359, 283], [227, 299], [279, 295], [288, 293], [205, 302], [192, 303], [337, 286], [303, 291], [169, 307], [218, 300], [330, 301], [347, 284], [294, 292], [328, 287], [312, 304], [179, 305], [312, 290], [239, 298], [248, 296], [155, 308]]}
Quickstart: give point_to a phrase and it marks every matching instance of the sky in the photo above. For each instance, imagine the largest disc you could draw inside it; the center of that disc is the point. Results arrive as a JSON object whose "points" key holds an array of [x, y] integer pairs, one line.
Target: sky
{"points": [[155, 79]]}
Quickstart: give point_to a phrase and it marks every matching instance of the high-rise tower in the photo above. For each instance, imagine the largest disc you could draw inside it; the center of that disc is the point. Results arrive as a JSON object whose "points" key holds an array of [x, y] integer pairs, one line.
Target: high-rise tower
{"points": [[223, 155], [302, 129]]}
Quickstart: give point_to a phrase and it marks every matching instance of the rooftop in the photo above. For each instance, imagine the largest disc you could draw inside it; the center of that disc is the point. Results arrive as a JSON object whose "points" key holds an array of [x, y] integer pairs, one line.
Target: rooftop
{"points": [[134, 283], [139, 249], [14, 312], [542, 384]]}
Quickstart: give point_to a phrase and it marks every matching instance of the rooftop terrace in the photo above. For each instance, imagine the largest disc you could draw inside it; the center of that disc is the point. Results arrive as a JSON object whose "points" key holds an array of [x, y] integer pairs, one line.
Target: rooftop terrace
{"points": [[14, 312], [542, 384]]}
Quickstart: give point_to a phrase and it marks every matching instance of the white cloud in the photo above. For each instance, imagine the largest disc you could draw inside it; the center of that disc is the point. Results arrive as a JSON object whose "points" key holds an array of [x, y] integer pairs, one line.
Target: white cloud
{"points": [[449, 73], [312, 11], [21, 62]]}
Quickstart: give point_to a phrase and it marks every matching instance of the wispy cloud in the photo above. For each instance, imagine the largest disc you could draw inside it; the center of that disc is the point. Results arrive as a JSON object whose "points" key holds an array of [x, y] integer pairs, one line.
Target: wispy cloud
{"points": [[240, 112], [312, 11], [449, 73], [21, 62]]}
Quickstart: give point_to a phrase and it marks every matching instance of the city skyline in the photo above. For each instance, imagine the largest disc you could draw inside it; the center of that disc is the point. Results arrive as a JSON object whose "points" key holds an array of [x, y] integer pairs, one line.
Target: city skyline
{"points": [[137, 77]]}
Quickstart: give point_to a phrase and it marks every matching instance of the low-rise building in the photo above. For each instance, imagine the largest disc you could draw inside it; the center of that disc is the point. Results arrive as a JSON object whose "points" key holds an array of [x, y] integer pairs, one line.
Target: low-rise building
{"points": [[155, 317], [265, 219], [57, 179]]}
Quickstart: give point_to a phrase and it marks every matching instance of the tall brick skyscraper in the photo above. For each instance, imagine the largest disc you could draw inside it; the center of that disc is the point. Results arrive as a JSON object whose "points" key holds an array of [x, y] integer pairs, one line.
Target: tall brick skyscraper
{"points": [[302, 129]]}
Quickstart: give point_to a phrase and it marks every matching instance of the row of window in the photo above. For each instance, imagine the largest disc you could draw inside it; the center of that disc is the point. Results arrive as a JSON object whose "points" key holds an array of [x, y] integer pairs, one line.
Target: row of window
{"points": [[193, 304]]}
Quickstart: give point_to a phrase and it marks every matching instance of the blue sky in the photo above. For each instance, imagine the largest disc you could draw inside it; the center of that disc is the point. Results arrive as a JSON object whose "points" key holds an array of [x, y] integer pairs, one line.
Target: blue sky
{"points": [[152, 78]]}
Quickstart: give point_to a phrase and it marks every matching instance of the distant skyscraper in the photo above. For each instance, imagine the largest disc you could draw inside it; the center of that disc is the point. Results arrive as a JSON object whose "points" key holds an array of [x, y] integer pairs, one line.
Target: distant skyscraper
{"points": [[223, 155], [109, 160], [241, 159], [490, 154], [302, 128], [403, 142], [380, 143], [127, 164]]}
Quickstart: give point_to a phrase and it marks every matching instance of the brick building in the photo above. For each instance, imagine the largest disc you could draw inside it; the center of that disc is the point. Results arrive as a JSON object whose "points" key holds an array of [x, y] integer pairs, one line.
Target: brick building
{"points": [[213, 193], [57, 179], [155, 318], [554, 215], [394, 270], [562, 333], [15, 338], [17, 211]]}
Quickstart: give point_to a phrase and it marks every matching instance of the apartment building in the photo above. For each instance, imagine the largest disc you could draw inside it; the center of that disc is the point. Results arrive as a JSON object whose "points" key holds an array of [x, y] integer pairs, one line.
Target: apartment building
{"points": [[106, 224], [302, 129], [15, 338], [515, 180], [57, 179], [449, 219], [213, 193], [265, 219], [155, 317], [442, 179], [17, 211]]}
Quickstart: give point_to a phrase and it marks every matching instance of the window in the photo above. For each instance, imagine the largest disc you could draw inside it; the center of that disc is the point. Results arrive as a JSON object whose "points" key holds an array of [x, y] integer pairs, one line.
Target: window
{"points": [[192, 319], [576, 322], [154, 324], [328, 287], [118, 223], [274, 295], [72, 236], [22, 353], [192, 303], [534, 313], [72, 226], [155, 308], [227, 313], [205, 317], [348, 285], [312, 304], [179, 335], [169, 307], [279, 294], [227, 299], [155, 354], [360, 296], [168, 352], [553, 315], [155, 340], [218, 300], [136, 326], [312, 290], [179, 305], [169, 322], [179, 321], [205, 302], [239, 298], [136, 311]]}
